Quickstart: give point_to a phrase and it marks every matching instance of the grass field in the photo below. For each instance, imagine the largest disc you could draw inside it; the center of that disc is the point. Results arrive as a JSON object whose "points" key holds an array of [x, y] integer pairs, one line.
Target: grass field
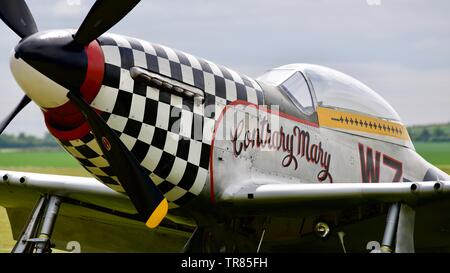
{"points": [[437, 153], [50, 162]]}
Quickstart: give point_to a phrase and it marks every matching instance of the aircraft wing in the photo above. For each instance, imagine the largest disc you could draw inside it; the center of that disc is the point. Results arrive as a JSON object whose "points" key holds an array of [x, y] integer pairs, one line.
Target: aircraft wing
{"points": [[267, 196], [91, 215]]}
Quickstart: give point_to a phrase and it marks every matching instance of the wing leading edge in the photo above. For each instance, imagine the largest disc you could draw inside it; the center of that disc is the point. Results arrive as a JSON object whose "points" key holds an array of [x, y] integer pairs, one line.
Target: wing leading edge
{"points": [[271, 193]]}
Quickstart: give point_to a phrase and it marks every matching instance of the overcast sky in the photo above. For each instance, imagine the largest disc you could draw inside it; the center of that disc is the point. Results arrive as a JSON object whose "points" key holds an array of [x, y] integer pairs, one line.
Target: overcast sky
{"points": [[400, 48]]}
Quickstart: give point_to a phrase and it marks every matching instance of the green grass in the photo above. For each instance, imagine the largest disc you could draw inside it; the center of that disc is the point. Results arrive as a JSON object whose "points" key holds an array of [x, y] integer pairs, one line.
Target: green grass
{"points": [[30, 158], [437, 153]]}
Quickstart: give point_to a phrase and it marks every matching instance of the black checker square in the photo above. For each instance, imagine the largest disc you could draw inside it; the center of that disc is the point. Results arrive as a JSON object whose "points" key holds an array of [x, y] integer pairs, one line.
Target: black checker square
{"points": [[188, 179], [165, 97], [226, 74], [135, 44], [247, 82], [220, 87], [140, 150], [108, 180], [165, 165], [140, 88], [159, 138], [160, 52], [112, 76], [204, 156], [126, 58], [152, 63], [86, 152], [133, 128], [165, 187], [199, 78], [205, 66], [107, 171], [85, 162], [241, 92], [183, 148], [123, 104], [106, 40], [183, 59], [175, 70], [150, 112]]}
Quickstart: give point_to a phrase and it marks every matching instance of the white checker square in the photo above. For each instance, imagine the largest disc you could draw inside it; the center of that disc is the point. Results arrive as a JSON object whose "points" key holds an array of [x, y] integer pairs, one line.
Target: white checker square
{"points": [[187, 74], [152, 158], [208, 130], [117, 122], [76, 143], [195, 150], [236, 76], [162, 120], [200, 182], [112, 55], [186, 123], [105, 99], [93, 145], [171, 144], [176, 101], [164, 67], [156, 179], [171, 54], [152, 93], [230, 86], [215, 69], [148, 47], [175, 194], [96, 171], [129, 141], [251, 95], [198, 106], [126, 82], [137, 107], [194, 61], [74, 152], [210, 83], [146, 133], [177, 172], [100, 162], [139, 58]]}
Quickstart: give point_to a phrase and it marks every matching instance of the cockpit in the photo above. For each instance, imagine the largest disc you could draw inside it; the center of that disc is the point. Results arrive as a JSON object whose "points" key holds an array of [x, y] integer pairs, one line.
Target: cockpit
{"points": [[311, 86]]}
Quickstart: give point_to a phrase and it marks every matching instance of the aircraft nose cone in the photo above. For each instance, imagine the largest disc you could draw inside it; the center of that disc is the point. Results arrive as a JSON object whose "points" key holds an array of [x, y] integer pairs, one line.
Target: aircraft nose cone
{"points": [[55, 55]]}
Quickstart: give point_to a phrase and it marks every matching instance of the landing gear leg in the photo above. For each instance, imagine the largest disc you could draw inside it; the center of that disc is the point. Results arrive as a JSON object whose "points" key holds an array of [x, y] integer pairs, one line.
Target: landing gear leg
{"points": [[391, 228], [399, 231], [35, 237]]}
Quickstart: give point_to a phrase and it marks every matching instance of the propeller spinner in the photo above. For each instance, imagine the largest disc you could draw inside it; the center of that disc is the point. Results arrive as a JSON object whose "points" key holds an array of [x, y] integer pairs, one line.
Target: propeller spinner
{"points": [[54, 65]]}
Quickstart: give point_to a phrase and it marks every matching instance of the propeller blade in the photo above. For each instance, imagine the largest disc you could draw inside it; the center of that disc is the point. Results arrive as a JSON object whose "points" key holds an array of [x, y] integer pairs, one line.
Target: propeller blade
{"points": [[144, 194], [103, 15], [17, 15], [24, 102]]}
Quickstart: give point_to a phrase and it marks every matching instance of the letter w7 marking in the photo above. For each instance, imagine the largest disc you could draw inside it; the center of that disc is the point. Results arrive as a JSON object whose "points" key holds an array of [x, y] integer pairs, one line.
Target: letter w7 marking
{"points": [[370, 166]]}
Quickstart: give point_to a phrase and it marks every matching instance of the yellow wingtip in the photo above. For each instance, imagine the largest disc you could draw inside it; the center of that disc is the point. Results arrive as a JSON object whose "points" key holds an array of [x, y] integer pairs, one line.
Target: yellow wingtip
{"points": [[158, 214]]}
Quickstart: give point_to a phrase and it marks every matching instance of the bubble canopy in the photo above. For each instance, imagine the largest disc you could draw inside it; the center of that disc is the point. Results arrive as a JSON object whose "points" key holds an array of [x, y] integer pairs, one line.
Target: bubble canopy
{"points": [[332, 89]]}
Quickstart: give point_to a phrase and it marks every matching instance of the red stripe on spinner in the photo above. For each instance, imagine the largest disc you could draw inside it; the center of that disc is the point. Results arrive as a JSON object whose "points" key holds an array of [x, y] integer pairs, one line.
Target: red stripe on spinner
{"points": [[67, 122]]}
